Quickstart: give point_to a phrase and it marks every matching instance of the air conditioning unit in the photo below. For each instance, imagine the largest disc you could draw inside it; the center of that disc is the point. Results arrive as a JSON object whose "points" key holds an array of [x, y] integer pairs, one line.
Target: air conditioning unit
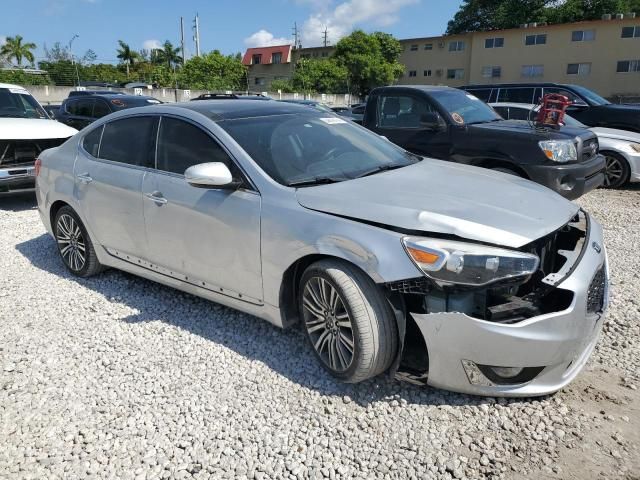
{"points": [[630, 15], [533, 25], [439, 72], [606, 16], [619, 16], [440, 44]]}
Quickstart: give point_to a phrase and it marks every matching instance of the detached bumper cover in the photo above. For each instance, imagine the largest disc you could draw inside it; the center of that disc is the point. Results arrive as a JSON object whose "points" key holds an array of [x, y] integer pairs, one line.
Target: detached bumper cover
{"points": [[570, 180], [560, 342]]}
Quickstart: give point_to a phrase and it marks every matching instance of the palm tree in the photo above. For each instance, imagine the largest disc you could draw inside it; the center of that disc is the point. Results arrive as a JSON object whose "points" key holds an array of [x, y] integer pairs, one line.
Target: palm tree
{"points": [[14, 48], [167, 54], [126, 54]]}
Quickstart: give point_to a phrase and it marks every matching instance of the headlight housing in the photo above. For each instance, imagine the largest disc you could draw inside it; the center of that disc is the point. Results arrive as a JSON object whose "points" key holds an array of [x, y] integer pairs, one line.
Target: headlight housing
{"points": [[451, 263], [561, 151], [635, 147]]}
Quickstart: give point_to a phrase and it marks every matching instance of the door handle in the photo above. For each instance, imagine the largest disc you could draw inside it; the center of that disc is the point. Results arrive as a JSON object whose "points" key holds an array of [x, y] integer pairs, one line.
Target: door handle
{"points": [[84, 178], [156, 197]]}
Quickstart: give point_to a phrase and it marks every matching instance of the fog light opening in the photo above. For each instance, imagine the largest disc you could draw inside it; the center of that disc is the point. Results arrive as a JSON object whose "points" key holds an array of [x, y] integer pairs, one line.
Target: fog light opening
{"points": [[507, 372], [500, 375]]}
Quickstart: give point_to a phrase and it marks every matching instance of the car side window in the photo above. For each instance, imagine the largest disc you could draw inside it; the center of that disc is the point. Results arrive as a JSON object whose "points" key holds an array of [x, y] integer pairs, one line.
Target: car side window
{"points": [[403, 111], [570, 95], [516, 95], [483, 94], [81, 108], [502, 111], [91, 141], [182, 145], [129, 140], [516, 113], [100, 109]]}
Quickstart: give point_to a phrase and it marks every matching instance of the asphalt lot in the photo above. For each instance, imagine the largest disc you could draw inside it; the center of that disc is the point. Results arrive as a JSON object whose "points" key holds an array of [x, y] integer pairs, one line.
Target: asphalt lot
{"points": [[118, 377]]}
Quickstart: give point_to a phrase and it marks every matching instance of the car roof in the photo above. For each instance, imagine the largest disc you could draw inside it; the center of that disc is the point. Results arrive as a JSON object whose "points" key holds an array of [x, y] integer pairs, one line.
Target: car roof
{"points": [[424, 88], [240, 108], [522, 85], [513, 104], [114, 96], [9, 85]]}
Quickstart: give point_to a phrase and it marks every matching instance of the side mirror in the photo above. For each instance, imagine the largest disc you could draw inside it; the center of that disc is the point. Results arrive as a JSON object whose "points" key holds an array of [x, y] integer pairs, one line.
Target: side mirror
{"points": [[210, 175], [431, 121]]}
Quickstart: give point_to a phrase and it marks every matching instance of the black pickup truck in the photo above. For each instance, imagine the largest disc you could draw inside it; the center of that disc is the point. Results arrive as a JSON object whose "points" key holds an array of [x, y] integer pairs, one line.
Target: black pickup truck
{"points": [[450, 124]]}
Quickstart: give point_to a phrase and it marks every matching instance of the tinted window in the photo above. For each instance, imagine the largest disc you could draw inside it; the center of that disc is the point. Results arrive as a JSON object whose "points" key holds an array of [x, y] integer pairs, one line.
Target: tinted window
{"points": [[91, 141], [482, 93], [81, 108], [182, 145], [129, 140], [403, 111], [100, 109], [520, 114], [516, 95]]}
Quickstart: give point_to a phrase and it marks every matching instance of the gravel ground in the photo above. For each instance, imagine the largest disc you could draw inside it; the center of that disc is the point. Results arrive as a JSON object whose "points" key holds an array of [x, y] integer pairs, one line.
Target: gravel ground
{"points": [[118, 377]]}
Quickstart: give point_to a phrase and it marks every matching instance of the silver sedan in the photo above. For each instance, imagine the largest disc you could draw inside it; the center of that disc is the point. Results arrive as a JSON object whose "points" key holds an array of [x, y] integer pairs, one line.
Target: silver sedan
{"points": [[438, 273]]}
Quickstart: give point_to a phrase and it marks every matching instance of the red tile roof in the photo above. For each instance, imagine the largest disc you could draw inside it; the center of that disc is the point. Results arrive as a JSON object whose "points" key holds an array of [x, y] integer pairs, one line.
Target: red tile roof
{"points": [[266, 53]]}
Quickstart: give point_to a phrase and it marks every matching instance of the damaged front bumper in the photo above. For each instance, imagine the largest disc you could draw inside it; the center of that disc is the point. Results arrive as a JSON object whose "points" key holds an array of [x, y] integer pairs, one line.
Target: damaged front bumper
{"points": [[551, 348]]}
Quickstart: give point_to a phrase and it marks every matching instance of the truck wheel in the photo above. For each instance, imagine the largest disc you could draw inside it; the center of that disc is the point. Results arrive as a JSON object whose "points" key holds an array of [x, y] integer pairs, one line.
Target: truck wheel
{"points": [[74, 244], [347, 320], [617, 170]]}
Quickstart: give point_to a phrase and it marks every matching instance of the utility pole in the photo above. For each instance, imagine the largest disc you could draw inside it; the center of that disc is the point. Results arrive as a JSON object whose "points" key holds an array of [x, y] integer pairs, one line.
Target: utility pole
{"points": [[196, 38], [325, 39], [296, 41], [182, 38]]}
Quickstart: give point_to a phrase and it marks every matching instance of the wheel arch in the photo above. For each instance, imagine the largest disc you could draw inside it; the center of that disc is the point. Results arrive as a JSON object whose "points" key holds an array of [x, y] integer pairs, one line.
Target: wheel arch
{"points": [[54, 209], [496, 163]]}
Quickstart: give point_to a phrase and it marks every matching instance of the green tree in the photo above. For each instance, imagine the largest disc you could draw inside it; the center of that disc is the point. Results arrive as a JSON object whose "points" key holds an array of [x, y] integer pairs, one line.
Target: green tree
{"points": [[371, 60], [213, 71], [319, 76], [167, 55], [284, 86], [14, 48], [126, 54]]}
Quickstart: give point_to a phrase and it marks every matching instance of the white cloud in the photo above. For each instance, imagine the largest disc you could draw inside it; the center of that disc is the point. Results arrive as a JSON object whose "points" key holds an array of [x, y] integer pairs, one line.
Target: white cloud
{"points": [[3, 39], [263, 38], [342, 19], [151, 44]]}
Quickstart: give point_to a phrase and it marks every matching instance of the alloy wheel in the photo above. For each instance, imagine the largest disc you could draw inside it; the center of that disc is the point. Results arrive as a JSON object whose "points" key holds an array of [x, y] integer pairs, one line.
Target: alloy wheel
{"points": [[71, 242], [328, 324], [613, 171]]}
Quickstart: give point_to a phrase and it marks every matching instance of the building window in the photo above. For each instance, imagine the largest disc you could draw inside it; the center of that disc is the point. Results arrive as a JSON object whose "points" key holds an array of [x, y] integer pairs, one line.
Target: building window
{"points": [[583, 35], [631, 32], [531, 71], [497, 42], [414, 47], [456, 46], [325, 54], [306, 55], [256, 59], [276, 57], [579, 69], [412, 73], [540, 39], [259, 81], [628, 66], [428, 46], [315, 54], [455, 73], [427, 73], [491, 72]]}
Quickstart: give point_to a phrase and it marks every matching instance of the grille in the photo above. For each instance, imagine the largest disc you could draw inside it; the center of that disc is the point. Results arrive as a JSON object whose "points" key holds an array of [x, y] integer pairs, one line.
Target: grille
{"points": [[595, 295], [415, 285], [24, 152], [588, 150]]}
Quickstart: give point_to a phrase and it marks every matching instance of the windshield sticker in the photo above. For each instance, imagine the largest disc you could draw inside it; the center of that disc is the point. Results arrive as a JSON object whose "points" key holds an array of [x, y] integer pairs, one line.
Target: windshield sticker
{"points": [[457, 118], [21, 91], [332, 120]]}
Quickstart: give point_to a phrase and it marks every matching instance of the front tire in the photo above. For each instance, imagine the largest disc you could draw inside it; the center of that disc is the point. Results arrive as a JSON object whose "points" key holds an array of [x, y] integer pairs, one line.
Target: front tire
{"points": [[74, 245], [347, 320], [617, 170]]}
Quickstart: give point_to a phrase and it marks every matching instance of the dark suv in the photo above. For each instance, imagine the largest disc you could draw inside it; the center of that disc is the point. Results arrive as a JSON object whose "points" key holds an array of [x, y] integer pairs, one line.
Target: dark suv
{"points": [[588, 107], [78, 111]]}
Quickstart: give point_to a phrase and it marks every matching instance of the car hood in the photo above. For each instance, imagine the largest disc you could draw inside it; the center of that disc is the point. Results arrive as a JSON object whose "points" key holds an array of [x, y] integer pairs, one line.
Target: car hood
{"points": [[525, 128], [616, 134], [33, 129], [433, 196]]}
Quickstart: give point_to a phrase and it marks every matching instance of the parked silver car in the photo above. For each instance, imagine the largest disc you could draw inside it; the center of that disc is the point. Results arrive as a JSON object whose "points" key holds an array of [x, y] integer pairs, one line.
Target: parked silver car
{"points": [[455, 276]]}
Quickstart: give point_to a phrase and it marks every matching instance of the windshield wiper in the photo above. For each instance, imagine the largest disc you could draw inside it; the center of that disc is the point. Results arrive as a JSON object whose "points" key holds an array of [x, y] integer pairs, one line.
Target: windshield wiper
{"points": [[382, 168], [314, 181]]}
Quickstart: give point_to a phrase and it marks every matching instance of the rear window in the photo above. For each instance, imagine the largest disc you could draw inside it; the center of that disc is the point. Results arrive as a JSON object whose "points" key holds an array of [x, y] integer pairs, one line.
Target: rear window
{"points": [[91, 141], [516, 95]]}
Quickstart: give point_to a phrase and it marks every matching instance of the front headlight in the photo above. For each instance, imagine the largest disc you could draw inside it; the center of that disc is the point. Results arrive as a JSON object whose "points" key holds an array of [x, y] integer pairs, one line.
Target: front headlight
{"points": [[635, 147], [457, 263], [561, 151]]}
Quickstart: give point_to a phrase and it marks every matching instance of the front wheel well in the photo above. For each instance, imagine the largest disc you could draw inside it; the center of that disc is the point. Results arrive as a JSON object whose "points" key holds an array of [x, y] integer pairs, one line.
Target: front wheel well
{"points": [[492, 163]]}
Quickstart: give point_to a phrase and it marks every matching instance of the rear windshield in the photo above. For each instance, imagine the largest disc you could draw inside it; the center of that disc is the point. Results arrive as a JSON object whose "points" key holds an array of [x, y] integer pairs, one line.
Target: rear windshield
{"points": [[18, 103]]}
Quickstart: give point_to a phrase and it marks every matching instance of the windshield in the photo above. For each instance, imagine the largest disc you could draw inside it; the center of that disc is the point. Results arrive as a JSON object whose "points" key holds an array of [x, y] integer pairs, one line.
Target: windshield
{"points": [[569, 121], [465, 108], [18, 103], [314, 148], [592, 97]]}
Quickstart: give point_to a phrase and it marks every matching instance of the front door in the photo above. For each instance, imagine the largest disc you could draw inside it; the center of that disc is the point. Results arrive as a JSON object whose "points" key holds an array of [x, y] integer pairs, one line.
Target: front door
{"points": [[108, 175], [79, 113], [206, 237], [401, 118]]}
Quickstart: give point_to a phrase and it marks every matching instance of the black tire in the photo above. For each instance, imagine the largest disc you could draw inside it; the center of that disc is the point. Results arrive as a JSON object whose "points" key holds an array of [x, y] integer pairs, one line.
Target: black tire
{"points": [[373, 330], [617, 170], [72, 237], [506, 170]]}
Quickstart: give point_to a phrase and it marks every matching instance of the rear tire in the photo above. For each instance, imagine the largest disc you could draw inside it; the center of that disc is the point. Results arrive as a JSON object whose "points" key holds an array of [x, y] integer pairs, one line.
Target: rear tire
{"points": [[617, 170], [347, 320], [74, 245]]}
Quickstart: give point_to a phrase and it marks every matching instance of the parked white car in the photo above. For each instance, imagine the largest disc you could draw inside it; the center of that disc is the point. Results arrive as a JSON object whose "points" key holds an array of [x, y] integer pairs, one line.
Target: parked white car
{"points": [[621, 148], [25, 131]]}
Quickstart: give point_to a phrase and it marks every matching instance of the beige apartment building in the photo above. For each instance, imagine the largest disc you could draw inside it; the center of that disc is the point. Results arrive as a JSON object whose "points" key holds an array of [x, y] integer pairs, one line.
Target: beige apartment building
{"points": [[603, 55]]}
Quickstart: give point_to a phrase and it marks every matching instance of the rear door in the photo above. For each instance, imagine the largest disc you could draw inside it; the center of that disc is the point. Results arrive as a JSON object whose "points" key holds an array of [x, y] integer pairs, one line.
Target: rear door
{"points": [[109, 170], [204, 236]]}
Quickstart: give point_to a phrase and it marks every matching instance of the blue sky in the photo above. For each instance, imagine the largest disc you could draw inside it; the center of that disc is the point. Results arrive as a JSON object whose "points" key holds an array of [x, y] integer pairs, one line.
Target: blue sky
{"points": [[230, 26]]}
